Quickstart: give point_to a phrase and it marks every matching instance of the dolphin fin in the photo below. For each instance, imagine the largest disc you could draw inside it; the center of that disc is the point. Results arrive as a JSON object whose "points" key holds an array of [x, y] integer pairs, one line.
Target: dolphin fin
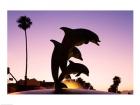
{"points": [[66, 30]]}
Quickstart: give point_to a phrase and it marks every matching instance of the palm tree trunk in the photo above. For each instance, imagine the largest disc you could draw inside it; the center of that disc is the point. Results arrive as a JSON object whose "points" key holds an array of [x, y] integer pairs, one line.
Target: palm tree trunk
{"points": [[26, 59]]}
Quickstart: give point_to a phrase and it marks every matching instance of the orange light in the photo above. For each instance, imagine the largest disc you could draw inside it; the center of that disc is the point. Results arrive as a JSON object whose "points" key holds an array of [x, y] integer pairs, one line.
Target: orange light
{"points": [[71, 84]]}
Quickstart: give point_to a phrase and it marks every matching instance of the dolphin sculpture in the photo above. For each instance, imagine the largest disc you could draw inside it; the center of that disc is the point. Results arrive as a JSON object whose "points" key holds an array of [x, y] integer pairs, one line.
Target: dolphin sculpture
{"points": [[74, 68], [73, 52], [79, 36], [60, 56]]}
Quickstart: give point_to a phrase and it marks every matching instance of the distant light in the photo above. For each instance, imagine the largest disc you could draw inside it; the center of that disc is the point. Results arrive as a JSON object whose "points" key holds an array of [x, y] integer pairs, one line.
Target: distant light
{"points": [[71, 84]]}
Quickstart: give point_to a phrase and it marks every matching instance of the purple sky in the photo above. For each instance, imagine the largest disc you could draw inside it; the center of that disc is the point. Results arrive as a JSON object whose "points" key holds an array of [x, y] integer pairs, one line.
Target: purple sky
{"points": [[113, 57]]}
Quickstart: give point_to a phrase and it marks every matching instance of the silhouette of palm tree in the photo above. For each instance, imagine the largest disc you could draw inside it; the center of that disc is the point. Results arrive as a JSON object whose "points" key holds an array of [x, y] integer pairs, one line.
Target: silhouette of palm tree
{"points": [[25, 23]]}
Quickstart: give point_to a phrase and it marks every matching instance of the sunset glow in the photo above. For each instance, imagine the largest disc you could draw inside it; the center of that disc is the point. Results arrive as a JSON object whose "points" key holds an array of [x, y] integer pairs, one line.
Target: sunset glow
{"points": [[72, 84], [113, 57]]}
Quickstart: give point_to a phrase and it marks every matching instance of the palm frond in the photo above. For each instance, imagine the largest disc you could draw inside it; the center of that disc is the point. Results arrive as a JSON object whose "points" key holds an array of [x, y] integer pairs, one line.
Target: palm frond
{"points": [[24, 22]]}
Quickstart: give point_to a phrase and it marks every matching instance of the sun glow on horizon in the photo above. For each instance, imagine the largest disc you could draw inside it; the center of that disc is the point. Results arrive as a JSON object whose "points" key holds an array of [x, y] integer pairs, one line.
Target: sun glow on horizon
{"points": [[71, 84]]}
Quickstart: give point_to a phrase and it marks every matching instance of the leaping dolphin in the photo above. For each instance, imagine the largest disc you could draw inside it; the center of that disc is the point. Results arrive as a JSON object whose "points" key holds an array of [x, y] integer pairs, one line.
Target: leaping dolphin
{"points": [[60, 56], [79, 36], [74, 68]]}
